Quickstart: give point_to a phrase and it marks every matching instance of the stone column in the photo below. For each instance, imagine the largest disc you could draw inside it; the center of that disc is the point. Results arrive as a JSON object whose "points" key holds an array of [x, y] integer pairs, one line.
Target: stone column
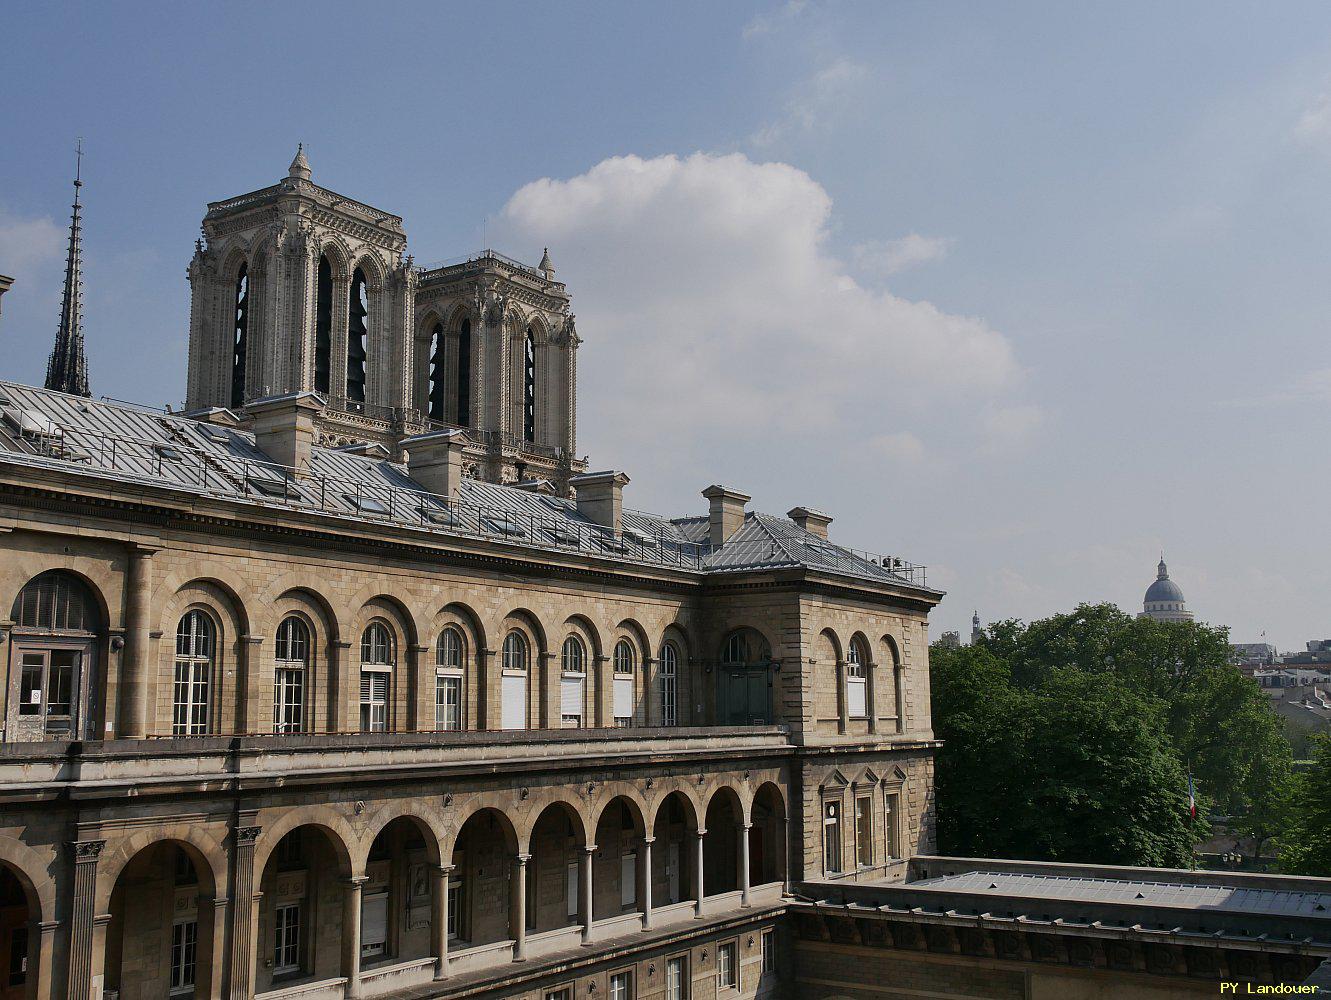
{"points": [[698, 836], [212, 942], [491, 709], [551, 714], [343, 689], [605, 692], [651, 702], [250, 686], [244, 896], [586, 902], [351, 935], [421, 709], [83, 918], [439, 926], [517, 907], [135, 668], [644, 875], [45, 958], [744, 864]]}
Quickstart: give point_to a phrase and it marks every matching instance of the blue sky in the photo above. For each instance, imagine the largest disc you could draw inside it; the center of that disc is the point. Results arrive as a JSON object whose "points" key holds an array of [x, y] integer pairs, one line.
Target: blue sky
{"points": [[1026, 292]]}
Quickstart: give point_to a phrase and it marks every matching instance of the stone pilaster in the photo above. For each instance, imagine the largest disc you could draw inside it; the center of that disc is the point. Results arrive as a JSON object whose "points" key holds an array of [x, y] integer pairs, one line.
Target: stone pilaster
{"points": [[244, 906], [83, 917], [135, 668]]}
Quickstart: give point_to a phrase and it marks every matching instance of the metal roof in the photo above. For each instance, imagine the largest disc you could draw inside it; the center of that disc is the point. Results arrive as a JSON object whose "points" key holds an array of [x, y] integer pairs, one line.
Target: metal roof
{"points": [[1103, 890], [122, 442]]}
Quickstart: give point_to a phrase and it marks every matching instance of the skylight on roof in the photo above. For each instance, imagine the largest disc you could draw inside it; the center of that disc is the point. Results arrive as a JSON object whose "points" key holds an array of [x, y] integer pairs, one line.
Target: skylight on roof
{"points": [[366, 505], [562, 535], [554, 503], [170, 452], [613, 544], [218, 434], [641, 537], [274, 487], [31, 423], [440, 515], [501, 526]]}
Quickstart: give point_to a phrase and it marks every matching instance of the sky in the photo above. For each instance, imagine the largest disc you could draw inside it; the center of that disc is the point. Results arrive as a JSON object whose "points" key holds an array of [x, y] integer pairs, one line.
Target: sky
{"points": [[1027, 292]]}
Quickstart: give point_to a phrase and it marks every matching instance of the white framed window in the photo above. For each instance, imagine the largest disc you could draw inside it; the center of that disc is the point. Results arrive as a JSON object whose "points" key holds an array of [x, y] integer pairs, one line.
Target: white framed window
{"points": [[621, 985], [184, 955], [669, 685], [292, 660], [573, 682], [195, 644], [448, 653], [727, 966], [677, 978], [286, 942], [624, 664], [447, 702], [376, 670], [515, 658], [832, 836], [769, 951], [864, 831], [857, 681], [563, 993]]}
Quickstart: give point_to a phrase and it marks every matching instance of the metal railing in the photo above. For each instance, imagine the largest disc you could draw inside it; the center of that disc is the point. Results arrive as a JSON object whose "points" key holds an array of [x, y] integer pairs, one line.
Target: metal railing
{"points": [[479, 256]]}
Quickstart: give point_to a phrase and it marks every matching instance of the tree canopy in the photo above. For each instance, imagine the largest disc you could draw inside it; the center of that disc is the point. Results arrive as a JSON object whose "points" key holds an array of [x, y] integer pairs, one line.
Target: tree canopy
{"points": [[1071, 738]]}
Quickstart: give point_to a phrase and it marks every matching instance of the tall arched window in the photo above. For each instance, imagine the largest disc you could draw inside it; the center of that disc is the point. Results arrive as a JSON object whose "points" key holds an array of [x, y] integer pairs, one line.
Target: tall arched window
{"points": [[529, 387], [358, 337], [54, 641], [195, 646], [438, 382], [290, 674], [744, 680], [669, 684], [857, 671], [573, 683], [240, 336], [376, 671], [513, 684], [448, 680], [323, 327], [624, 662], [464, 374]]}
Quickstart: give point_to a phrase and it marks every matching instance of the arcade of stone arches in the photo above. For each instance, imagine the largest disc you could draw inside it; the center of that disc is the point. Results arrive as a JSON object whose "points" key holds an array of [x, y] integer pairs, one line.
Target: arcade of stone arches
{"points": [[425, 886]]}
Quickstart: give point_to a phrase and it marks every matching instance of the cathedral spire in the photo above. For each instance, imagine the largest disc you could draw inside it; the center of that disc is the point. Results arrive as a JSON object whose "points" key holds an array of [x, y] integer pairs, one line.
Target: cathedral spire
{"points": [[67, 371]]}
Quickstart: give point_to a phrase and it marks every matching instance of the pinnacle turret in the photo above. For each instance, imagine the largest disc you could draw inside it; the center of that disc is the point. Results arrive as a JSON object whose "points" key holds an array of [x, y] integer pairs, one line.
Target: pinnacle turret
{"points": [[67, 370]]}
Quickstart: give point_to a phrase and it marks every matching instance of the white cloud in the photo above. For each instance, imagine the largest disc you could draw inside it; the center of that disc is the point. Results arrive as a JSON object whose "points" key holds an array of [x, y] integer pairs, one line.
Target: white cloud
{"points": [[1314, 125], [817, 102], [769, 21], [891, 256], [26, 244], [1010, 426], [718, 326]]}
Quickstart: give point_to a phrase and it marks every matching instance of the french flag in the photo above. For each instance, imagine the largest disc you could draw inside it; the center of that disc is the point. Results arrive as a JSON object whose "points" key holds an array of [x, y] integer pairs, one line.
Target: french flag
{"points": [[1192, 798]]}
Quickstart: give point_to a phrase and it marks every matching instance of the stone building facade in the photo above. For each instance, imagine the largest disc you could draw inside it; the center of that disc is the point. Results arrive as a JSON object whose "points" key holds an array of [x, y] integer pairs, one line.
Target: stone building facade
{"points": [[352, 682]]}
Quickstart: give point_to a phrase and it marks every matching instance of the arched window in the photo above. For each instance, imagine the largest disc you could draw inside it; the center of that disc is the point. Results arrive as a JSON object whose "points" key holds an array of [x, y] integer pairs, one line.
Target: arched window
{"points": [[238, 346], [513, 682], [323, 327], [195, 646], [573, 683], [358, 337], [744, 694], [376, 671], [438, 383], [746, 648], [857, 670], [464, 374], [669, 684], [55, 625], [529, 387], [448, 680], [289, 676], [624, 662]]}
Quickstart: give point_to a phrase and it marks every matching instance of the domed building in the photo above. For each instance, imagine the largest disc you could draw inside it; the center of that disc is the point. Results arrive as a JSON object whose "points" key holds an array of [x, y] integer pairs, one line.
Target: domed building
{"points": [[1164, 599]]}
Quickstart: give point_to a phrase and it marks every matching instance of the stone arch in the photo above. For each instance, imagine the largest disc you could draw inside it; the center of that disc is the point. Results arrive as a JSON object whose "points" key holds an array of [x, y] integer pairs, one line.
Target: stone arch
{"points": [[671, 699], [296, 585], [232, 590], [339, 256], [334, 826], [630, 797], [369, 264], [207, 854], [222, 606], [374, 596], [493, 810], [688, 799], [586, 632], [538, 812], [768, 819], [891, 663], [724, 820], [25, 575], [427, 821], [529, 622], [33, 873]]}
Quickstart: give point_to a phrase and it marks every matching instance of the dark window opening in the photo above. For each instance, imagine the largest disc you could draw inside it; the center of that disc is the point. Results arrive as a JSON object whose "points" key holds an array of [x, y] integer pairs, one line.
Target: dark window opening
{"points": [[438, 388], [357, 338], [464, 374], [323, 327], [529, 390], [240, 335]]}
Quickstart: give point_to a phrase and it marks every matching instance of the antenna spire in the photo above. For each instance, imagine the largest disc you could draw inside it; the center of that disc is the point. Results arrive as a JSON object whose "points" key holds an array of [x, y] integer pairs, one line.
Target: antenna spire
{"points": [[67, 370]]}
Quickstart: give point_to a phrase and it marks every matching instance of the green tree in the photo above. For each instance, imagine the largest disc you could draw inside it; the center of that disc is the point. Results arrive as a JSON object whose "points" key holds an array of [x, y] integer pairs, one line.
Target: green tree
{"points": [[1306, 849]]}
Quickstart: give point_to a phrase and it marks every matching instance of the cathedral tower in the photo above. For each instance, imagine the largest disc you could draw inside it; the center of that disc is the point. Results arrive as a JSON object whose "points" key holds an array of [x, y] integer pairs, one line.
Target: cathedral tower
{"points": [[297, 288]]}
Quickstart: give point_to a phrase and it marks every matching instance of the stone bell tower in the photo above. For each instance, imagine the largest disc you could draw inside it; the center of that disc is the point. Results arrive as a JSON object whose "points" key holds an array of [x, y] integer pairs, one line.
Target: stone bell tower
{"points": [[297, 288]]}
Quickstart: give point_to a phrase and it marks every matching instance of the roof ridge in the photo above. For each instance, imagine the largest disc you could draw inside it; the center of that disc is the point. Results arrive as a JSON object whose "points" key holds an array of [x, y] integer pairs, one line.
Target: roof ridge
{"points": [[760, 519]]}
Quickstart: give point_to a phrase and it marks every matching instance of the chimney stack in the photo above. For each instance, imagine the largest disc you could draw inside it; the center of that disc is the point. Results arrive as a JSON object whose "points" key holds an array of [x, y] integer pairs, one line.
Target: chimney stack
{"points": [[726, 514], [601, 498], [811, 520], [435, 461], [284, 427]]}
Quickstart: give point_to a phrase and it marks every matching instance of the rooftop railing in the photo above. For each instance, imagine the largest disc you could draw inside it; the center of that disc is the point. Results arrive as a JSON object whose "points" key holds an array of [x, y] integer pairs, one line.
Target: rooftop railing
{"points": [[481, 256]]}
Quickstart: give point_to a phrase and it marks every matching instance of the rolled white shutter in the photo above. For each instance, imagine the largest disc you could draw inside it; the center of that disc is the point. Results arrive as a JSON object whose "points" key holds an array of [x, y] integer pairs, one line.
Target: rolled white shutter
{"points": [[570, 696], [623, 697], [628, 879], [374, 922], [571, 888], [855, 695], [514, 703]]}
